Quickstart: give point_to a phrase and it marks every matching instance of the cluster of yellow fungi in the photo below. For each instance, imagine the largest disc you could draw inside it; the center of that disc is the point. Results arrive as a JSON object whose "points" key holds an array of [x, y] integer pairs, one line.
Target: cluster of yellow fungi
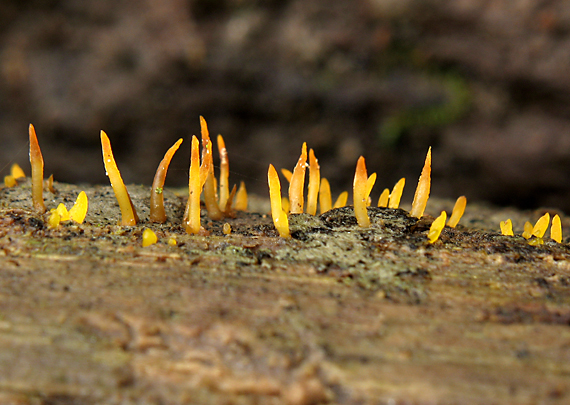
{"points": [[221, 202]]}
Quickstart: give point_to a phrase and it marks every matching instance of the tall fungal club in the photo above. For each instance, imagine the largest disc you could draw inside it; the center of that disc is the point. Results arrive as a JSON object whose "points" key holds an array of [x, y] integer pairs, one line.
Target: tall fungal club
{"points": [[279, 216], [422, 191], [37, 163], [157, 212], [362, 186]]}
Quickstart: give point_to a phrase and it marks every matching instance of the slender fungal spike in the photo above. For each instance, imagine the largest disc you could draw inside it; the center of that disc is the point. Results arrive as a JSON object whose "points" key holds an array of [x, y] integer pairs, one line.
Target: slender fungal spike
{"points": [[422, 191], [279, 216], [556, 229], [360, 189], [314, 183], [157, 212], [383, 200], [37, 163], [16, 171], [341, 200], [241, 198], [128, 213], [78, 212], [528, 228], [194, 190], [436, 227], [541, 225], [214, 211], [287, 174], [228, 212], [396, 194], [297, 183], [458, 210], [507, 227], [325, 199], [224, 173]]}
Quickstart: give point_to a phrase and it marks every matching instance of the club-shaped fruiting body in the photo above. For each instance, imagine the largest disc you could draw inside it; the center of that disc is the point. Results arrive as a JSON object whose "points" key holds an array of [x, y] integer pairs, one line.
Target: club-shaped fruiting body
{"points": [[506, 227], [422, 191], [157, 212], [436, 227], [458, 210], [279, 216], [396, 194], [556, 229], [37, 163], [362, 186], [297, 183]]}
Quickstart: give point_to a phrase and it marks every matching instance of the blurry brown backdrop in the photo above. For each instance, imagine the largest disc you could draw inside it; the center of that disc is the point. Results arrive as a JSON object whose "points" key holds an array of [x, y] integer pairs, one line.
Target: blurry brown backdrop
{"points": [[486, 83]]}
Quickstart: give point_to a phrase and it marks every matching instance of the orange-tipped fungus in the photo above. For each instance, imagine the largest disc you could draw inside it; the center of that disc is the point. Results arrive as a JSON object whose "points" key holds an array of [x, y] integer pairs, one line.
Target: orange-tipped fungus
{"points": [[325, 199], [37, 163], [194, 190], [541, 225], [224, 173], [436, 227], [458, 210], [556, 229], [279, 216], [341, 200], [314, 183], [297, 183], [128, 213], [210, 199], [362, 186], [506, 227], [241, 198], [287, 174], [396, 194], [157, 212], [422, 191], [384, 197]]}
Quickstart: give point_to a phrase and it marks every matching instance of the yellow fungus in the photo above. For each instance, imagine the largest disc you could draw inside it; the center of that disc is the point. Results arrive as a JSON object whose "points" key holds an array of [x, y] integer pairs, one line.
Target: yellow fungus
{"points": [[436, 227], [78, 212], [287, 174], [63, 213], [16, 172], [314, 183], [194, 190], [285, 204], [241, 198], [224, 173], [279, 216], [37, 163], [341, 200], [325, 199], [297, 183], [384, 197], [157, 212], [556, 229], [527, 233], [458, 210], [10, 181], [396, 194], [148, 237], [507, 227], [541, 225], [536, 242], [210, 199], [172, 241], [361, 187], [54, 219], [49, 184], [421, 195], [128, 213], [226, 229]]}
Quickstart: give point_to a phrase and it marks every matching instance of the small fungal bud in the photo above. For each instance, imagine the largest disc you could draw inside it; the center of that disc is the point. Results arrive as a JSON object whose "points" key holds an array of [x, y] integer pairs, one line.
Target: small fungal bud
{"points": [[383, 200], [436, 227], [396, 194], [149, 237], [279, 216], [528, 228], [361, 187], [10, 181], [78, 212], [541, 225], [507, 228], [241, 198], [458, 210], [194, 190], [287, 174], [297, 183], [314, 183], [341, 200], [37, 163], [49, 185], [226, 229], [63, 213], [16, 172], [422, 191], [128, 213], [325, 199], [157, 212], [54, 219], [172, 242], [556, 229], [224, 173]]}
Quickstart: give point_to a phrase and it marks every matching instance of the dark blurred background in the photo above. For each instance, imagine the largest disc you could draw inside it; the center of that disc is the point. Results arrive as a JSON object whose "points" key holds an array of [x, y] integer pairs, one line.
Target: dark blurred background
{"points": [[486, 83]]}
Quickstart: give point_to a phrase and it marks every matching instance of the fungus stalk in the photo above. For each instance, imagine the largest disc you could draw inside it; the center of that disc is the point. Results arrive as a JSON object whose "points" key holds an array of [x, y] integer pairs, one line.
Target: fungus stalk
{"points": [[458, 210], [436, 227], [297, 183], [422, 191], [556, 229], [341, 200], [314, 183], [128, 213], [194, 190], [541, 225], [362, 186], [210, 200], [37, 163], [383, 200], [241, 198], [279, 216], [325, 199], [157, 212], [507, 227], [396, 194], [224, 173]]}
